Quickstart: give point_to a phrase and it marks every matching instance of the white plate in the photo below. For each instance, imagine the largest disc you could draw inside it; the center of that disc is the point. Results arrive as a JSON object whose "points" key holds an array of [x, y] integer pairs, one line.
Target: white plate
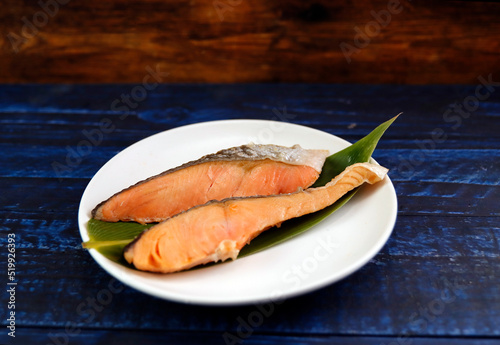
{"points": [[330, 251]]}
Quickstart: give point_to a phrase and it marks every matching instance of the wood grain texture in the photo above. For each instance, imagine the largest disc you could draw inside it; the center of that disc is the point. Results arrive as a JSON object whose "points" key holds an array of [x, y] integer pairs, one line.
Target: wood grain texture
{"points": [[413, 42], [436, 281], [103, 337]]}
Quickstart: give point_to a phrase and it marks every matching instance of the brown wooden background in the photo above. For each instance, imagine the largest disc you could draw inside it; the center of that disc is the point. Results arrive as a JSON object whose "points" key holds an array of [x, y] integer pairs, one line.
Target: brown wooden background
{"points": [[254, 41]]}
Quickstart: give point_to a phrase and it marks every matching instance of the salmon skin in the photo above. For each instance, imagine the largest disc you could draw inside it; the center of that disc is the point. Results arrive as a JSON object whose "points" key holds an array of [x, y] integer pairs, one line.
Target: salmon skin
{"points": [[219, 229], [239, 171]]}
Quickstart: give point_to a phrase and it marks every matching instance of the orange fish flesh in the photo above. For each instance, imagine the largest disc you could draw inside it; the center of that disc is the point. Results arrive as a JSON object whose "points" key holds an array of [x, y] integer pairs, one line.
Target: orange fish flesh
{"points": [[218, 230], [236, 172]]}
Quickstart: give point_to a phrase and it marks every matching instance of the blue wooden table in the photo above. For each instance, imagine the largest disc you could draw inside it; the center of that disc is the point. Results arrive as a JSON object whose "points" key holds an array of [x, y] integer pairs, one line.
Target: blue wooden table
{"points": [[436, 281]]}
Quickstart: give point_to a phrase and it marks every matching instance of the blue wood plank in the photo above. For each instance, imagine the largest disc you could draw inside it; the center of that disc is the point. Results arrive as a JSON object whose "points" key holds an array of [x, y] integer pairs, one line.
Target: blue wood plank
{"points": [[69, 130], [26, 196], [442, 198], [452, 166], [321, 105], [310, 97], [437, 278], [55, 336]]}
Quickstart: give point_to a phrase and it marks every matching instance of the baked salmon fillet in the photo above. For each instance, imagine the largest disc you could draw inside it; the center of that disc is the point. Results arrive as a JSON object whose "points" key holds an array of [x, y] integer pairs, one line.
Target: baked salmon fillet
{"points": [[218, 230], [236, 172]]}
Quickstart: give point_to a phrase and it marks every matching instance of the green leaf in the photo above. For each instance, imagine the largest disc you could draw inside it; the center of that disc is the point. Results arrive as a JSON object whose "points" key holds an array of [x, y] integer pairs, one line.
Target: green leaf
{"points": [[359, 152], [110, 238]]}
